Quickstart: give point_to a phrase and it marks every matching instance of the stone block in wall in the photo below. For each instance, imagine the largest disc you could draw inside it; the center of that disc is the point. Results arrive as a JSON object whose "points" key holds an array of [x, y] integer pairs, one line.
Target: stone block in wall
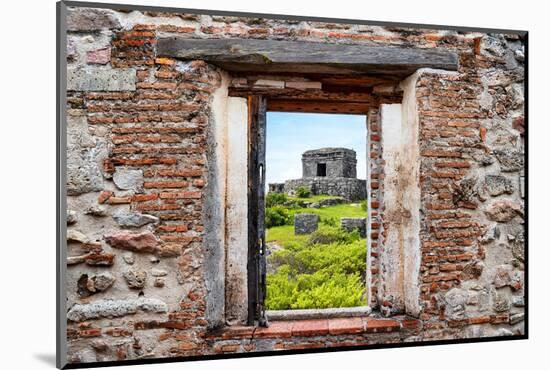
{"points": [[90, 19], [305, 223], [85, 154], [355, 223], [101, 79]]}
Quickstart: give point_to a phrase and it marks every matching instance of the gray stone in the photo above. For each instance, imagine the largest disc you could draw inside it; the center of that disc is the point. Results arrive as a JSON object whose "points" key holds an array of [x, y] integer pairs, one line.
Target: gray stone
{"points": [[159, 282], [129, 219], [455, 303], [482, 158], [91, 78], [71, 50], [510, 160], [85, 155], [135, 279], [71, 217], [128, 179], [517, 317], [115, 308], [504, 210], [91, 19], [518, 301], [96, 210], [501, 303], [347, 188], [359, 224], [103, 281], [503, 276], [158, 272], [472, 270], [129, 258], [305, 223], [518, 249], [88, 286], [491, 235], [497, 185], [76, 236], [503, 332]]}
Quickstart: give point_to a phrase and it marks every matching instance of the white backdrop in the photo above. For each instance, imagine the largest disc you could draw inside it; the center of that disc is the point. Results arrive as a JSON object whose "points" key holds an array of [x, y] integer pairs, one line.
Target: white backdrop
{"points": [[27, 182]]}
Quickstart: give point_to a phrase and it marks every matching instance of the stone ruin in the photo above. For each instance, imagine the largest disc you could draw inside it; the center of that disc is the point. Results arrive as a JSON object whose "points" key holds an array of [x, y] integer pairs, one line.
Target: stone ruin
{"points": [[157, 223], [330, 171]]}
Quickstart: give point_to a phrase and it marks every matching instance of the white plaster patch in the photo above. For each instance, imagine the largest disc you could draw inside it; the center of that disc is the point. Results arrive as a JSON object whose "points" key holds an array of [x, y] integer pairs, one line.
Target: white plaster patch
{"points": [[237, 211]]}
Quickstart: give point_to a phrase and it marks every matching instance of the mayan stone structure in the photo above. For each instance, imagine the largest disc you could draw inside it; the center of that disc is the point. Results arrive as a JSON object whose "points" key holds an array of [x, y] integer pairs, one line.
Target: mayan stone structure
{"points": [[157, 193], [330, 171]]}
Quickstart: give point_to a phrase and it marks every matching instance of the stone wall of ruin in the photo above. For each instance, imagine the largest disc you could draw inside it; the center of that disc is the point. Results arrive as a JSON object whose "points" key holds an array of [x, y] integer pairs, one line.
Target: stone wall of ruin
{"points": [[346, 187], [141, 173]]}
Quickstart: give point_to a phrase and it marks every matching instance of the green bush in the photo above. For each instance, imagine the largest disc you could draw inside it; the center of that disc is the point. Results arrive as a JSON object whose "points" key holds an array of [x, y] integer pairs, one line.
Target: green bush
{"points": [[364, 205], [275, 199], [331, 234], [277, 216], [318, 276], [329, 221], [303, 192]]}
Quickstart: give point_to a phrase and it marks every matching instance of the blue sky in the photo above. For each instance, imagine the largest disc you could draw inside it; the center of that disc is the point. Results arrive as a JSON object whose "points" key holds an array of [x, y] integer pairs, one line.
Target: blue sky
{"points": [[291, 134]]}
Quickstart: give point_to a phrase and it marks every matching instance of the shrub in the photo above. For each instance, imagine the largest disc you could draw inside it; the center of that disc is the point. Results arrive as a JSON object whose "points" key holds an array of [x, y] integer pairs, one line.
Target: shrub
{"points": [[319, 276], [303, 192], [329, 221], [364, 205], [331, 234], [275, 199], [277, 216]]}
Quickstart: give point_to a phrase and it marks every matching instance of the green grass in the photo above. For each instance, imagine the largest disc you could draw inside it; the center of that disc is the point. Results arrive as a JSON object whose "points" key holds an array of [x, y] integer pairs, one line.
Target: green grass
{"points": [[318, 276], [311, 274], [340, 210], [284, 234]]}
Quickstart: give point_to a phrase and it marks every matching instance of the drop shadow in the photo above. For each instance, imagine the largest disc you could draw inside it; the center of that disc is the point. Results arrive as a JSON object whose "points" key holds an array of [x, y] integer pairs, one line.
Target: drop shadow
{"points": [[46, 358]]}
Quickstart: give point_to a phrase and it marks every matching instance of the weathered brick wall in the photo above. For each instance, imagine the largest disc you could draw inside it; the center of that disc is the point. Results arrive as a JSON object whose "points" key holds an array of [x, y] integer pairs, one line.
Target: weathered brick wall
{"points": [[375, 229], [472, 163], [139, 163]]}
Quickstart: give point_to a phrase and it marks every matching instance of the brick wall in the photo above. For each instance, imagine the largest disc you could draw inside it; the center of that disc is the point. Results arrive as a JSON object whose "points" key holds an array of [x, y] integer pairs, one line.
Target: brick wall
{"points": [[138, 164]]}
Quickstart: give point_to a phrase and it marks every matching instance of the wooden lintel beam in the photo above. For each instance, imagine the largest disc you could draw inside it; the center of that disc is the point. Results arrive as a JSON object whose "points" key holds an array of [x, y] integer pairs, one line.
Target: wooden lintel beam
{"points": [[279, 56], [311, 106]]}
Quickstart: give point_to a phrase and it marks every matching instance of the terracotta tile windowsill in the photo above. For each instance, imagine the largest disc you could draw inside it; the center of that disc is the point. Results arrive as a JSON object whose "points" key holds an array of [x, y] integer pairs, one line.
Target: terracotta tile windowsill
{"points": [[318, 327]]}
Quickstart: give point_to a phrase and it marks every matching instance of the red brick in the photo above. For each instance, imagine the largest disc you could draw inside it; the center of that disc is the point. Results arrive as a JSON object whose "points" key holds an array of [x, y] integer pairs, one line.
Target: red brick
{"points": [[382, 326], [352, 325], [453, 164], [144, 197], [187, 346], [119, 200], [479, 320], [410, 323], [440, 153], [166, 184], [104, 196], [181, 195], [89, 333], [165, 61], [310, 328], [276, 329]]}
